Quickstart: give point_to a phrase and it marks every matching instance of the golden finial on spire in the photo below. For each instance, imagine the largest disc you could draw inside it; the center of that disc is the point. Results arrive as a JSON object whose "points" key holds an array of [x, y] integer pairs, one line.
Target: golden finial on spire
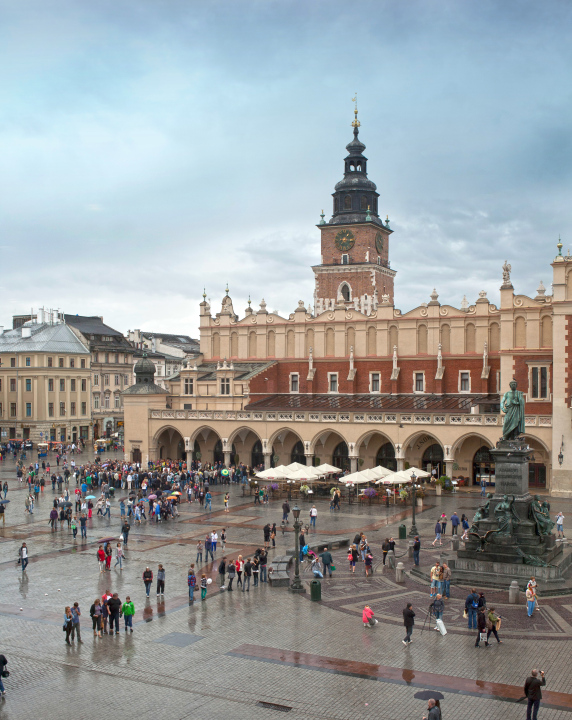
{"points": [[356, 123]]}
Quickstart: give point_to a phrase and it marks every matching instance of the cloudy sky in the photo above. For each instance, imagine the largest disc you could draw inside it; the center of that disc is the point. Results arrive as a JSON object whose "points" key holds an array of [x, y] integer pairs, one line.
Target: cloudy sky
{"points": [[150, 149]]}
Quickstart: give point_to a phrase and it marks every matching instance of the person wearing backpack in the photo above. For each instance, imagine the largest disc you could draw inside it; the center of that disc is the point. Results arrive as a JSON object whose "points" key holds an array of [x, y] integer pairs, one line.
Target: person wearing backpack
{"points": [[192, 582], [471, 606], [222, 571]]}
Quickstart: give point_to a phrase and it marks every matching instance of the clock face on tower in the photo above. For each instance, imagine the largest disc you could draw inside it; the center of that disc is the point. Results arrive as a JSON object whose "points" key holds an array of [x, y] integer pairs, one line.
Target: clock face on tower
{"points": [[379, 243], [345, 240]]}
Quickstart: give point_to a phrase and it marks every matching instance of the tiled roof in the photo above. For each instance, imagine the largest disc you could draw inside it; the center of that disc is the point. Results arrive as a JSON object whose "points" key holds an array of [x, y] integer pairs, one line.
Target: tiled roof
{"points": [[43, 338], [415, 403], [91, 325]]}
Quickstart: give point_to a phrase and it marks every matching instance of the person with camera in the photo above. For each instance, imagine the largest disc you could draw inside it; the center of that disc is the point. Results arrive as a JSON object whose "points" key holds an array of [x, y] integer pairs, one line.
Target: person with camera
{"points": [[534, 693], [436, 608]]}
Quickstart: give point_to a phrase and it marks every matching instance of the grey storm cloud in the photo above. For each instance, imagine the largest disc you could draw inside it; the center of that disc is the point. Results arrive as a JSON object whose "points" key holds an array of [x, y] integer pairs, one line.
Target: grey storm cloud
{"points": [[150, 150]]}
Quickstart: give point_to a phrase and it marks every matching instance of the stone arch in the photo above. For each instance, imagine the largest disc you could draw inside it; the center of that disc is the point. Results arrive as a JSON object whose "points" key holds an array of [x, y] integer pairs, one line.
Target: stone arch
{"points": [[324, 443], [494, 337], [483, 440], [519, 332], [206, 438], [371, 340], [368, 445], [216, 345], [470, 338], [330, 342], [271, 343], [234, 345], [350, 339], [252, 343], [345, 291], [290, 344], [415, 445], [281, 444], [243, 440], [422, 339], [169, 443], [546, 331], [445, 338]]}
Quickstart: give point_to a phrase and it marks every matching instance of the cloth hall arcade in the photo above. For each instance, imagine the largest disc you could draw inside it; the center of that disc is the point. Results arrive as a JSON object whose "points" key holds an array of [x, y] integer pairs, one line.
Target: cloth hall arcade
{"points": [[355, 381]]}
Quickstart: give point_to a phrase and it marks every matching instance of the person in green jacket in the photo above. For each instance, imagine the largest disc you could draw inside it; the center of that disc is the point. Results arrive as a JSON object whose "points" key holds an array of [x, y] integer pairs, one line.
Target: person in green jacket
{"points": [[492, 625], [128, 610]]}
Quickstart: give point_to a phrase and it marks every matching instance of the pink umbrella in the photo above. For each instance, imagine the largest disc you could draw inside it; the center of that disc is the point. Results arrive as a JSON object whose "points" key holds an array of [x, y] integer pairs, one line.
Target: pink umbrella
{"points": [[152, 497]]}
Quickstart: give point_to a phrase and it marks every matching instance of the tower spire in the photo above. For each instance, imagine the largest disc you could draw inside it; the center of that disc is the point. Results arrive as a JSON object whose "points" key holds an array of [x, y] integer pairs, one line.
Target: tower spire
{"points": [[356, 123]]}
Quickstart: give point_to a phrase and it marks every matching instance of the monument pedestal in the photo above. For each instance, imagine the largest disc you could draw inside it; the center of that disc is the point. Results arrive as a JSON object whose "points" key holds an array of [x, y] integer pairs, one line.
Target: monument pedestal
{"points": [[510, 538]]}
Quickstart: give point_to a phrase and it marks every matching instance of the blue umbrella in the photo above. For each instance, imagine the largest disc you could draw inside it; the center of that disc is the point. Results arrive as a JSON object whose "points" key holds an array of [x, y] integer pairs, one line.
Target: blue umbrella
{"points": [[90, 497], [4, 502]]}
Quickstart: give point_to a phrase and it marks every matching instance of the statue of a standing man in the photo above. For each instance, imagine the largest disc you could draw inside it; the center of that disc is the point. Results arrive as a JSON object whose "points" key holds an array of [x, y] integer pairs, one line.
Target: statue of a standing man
{"points": [[512, 404]]}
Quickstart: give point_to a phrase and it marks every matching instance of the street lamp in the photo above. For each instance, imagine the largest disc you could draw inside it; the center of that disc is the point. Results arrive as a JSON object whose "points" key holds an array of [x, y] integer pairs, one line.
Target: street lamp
{"points": [[413, 532], [296, 585]]}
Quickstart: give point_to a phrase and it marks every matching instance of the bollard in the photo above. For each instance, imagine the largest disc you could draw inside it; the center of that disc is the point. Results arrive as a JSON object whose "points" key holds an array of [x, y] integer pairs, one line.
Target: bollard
{"points": [[410, 549], [456, 541], [514, 593], [391, 559], [400, 572]]}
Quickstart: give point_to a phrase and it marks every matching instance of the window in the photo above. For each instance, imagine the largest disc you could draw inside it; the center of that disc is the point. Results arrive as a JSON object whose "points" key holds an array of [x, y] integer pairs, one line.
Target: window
{"points": [[374, 382], [83, 385], [61, 362], [464, 382], [126, 358], [50, 409], [62, 409], [106, 357], [126, 379], [96, 379], [28, 409], [12, 362], [345, 259], [72, 386], [82, 363], [12, 384], [294, 382], [333, 382], [95, 357], [346, 292], [117, 358], [106, 401], [0, 409], [106, 379], [62, 385], [539, 383], [117, 379], [50, 362], [12, 409], [189, 386], [364, 203], [28, 362], [419, 382], [72, 362], [96, 402], [117, 401], [28, 385], [348, 202], [84, 408], [72, 408], [225, 386], [50, 385]]}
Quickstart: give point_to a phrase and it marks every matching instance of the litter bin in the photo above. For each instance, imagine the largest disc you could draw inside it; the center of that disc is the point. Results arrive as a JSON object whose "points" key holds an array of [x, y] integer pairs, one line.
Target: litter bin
{"points": [[402, 532], [315, 590]]}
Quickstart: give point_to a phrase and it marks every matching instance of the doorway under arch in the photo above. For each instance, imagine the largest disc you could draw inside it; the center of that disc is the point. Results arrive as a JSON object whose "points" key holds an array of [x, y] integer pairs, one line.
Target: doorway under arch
{"points": [[171, 445], [433, 460], [297, 454], [256, 456], [386, 457], [218, 454], [483, 466], [340, 456]]}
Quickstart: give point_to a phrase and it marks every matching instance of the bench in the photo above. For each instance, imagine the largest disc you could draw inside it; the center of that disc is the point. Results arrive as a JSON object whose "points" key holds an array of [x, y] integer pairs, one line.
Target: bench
{"points": [[278, 575]]}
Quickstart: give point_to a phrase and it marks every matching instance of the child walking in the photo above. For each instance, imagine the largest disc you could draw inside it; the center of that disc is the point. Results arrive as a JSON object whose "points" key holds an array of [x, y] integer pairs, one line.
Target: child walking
{"points": [[203, 586]]}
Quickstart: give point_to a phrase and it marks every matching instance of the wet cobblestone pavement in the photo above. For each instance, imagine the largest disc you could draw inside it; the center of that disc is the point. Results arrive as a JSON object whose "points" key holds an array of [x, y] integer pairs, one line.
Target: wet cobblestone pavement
{"points": [[223, 657]]}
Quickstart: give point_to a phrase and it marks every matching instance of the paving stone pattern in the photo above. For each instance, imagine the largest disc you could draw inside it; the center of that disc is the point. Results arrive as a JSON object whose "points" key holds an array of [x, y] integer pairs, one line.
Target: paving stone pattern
{"points": [[185, 661]]}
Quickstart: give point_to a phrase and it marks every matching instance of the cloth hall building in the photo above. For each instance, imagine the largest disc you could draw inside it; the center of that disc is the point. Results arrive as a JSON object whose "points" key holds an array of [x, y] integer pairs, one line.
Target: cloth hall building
{"points": [[356, 382]]}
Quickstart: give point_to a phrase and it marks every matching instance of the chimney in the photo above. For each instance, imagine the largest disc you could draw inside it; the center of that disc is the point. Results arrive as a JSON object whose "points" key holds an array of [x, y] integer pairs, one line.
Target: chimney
{"points": [[26, 332]]}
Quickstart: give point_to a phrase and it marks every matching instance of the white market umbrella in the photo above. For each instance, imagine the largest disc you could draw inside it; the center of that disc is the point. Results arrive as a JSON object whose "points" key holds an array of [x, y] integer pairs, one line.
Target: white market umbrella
{"points": [[371, 473], [296, 466], [383, 471], [273, 474], [356, 478], [328, 469], [308, 473]]}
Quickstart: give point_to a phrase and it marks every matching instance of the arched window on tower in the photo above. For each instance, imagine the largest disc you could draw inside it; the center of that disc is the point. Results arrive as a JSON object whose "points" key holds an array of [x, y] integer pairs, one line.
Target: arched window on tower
{"points": [[348, 202], [364, 202], [336, 204], [346, 292]]}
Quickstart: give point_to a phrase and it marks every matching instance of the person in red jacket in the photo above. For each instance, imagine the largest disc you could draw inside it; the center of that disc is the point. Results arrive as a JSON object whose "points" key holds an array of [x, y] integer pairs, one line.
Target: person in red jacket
{"points": [[367, 617], [148, 580], [101, 558]]}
